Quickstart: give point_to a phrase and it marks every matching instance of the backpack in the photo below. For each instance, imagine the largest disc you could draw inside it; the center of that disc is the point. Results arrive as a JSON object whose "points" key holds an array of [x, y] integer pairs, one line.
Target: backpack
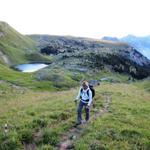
{"points": [[92, 90]]}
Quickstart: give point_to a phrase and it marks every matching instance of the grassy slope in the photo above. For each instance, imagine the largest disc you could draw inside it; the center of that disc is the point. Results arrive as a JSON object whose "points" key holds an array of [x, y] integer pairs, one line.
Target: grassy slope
{"points": [[41, 117], [23, 79], [17, 47], [126, 126], [14, 38]]}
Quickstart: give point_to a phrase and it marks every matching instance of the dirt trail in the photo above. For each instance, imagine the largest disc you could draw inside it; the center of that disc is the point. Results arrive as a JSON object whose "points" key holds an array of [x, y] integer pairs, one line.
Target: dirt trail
{"points": [[29, 146], [75, 133]]}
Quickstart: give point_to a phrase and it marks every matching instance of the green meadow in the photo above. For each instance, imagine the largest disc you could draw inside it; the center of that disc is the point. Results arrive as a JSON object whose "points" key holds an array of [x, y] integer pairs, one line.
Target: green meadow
{"points": [[39, 119]]}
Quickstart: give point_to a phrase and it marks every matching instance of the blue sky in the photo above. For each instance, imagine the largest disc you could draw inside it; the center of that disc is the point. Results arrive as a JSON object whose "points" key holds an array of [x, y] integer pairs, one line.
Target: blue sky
{"points": [[86, 18]]}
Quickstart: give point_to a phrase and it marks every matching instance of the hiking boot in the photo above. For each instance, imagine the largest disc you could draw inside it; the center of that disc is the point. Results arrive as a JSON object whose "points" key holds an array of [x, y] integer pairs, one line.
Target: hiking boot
{"points": [[77, 124], [87, 121], [84, 122]]}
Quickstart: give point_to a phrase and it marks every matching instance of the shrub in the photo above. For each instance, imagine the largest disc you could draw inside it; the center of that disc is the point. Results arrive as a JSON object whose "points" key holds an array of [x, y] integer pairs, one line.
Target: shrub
{"points": [[96, 145], [130, 134], [31, 113], [26, 136], [39, 123], [60, 116], [9, 142], [50, 137], [37, 57], [64, 116], [77, 77], [54, 115], [147, 146]]}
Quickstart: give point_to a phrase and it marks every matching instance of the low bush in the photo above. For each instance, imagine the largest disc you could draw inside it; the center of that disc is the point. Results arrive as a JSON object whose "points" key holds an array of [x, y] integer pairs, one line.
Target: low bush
{"points": [[26, 135], [50, 137]]}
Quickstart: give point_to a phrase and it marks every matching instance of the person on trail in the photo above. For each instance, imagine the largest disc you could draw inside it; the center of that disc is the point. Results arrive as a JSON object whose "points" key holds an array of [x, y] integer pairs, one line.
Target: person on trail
{"points": [[85, 97]]}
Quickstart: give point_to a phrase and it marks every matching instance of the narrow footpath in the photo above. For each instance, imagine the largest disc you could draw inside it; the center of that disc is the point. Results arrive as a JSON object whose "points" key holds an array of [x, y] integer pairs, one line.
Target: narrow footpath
{"points": [[74, 133]]}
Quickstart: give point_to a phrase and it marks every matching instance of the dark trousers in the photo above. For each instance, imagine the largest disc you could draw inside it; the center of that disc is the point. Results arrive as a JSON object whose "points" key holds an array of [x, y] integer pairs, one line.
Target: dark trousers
{"points": [[79, 112]]}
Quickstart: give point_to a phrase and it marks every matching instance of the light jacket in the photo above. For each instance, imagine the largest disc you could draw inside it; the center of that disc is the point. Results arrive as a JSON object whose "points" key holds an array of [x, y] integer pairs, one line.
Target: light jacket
{"points": [[83, 96]]}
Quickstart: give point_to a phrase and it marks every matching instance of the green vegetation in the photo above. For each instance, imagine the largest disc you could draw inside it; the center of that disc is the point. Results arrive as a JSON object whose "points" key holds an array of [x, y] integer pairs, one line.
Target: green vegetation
{"points": [[14, 45], [17, 48], [83, 54], [53, 78], [125, 126], [37, 57], [22, 80], [144, 84], [37, 109], [41, 118]]}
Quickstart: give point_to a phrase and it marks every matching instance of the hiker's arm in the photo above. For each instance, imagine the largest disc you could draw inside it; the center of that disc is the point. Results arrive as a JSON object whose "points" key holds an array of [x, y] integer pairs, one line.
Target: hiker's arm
{"points": [[78, 96], [90, 98]]}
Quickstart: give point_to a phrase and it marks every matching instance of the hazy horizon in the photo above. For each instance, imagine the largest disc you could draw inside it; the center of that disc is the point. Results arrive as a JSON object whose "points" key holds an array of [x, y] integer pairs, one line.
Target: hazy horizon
{"points": [[79, 18]]}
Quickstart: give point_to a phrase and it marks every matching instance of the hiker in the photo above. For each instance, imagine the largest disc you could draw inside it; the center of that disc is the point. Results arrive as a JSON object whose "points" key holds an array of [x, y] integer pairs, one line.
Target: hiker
{"points": [[85, 97]]}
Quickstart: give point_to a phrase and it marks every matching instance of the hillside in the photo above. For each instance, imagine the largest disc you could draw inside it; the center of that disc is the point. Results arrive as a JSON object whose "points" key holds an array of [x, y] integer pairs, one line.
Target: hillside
{"points": [[16, 48], [71, 59], [40, 120], [108, 38], [86, 55], [142, 44], [37, 111]]}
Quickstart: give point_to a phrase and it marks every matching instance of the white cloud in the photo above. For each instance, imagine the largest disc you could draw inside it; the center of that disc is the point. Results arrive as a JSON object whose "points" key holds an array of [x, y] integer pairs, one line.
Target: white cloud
{"points": [[90, 18]]}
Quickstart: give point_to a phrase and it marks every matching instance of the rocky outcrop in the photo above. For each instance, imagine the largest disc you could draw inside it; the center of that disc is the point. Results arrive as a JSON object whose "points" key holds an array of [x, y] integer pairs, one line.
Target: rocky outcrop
{"points": [[141, 44], [4, 58], [1, 34]]}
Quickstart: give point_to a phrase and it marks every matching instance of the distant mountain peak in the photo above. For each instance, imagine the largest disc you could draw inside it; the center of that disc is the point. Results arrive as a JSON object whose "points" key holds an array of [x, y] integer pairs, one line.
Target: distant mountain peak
{"points": [[142, 44], [108, 38], [131, 35], [3, 25]]}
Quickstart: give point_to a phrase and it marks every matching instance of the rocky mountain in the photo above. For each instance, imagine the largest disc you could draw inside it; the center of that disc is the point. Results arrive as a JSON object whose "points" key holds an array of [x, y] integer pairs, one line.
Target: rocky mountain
{"points": [[83, 54], [142, 44], [73, 54], [108, 38]]}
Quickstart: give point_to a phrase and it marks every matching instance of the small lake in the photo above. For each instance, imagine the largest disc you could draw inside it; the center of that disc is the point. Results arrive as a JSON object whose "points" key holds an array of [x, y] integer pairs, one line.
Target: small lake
{"points": [[30, 67]]}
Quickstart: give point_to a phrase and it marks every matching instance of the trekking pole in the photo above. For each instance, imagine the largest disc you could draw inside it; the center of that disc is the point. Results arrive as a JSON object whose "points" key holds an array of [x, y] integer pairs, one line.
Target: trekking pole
{"points": [[76, 103]]}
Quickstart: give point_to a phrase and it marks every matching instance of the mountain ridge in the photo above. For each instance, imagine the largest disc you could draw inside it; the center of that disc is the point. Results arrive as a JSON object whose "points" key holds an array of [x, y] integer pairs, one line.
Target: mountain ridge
{"points": [[141, 43], [16, 48], [73, 52]]}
